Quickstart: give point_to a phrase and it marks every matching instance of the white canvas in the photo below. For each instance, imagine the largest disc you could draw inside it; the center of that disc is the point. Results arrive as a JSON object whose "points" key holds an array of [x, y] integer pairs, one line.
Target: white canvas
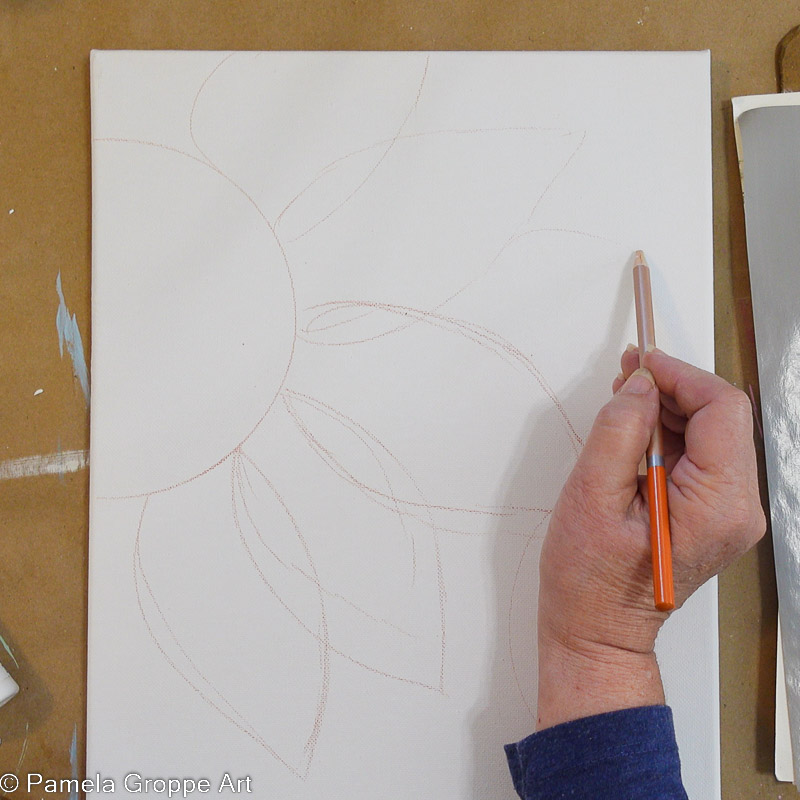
{"points": [[353, 315]]}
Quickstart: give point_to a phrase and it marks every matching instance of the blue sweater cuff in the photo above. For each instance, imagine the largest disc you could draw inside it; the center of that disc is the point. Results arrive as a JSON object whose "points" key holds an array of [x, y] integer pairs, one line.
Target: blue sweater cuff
{"points": [[622, 754]]}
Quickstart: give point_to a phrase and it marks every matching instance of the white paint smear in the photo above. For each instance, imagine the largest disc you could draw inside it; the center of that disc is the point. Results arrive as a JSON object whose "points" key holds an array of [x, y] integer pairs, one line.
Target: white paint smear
{"points": [[53, 464]]}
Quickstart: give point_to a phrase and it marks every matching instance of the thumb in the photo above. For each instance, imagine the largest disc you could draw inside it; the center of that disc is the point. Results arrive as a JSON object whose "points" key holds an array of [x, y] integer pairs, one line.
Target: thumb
{"points": [[607, 469]]}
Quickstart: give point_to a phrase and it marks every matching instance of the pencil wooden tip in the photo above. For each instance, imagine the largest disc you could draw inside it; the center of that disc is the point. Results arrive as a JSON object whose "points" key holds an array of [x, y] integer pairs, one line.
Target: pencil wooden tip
{"points": [[639, 259]]}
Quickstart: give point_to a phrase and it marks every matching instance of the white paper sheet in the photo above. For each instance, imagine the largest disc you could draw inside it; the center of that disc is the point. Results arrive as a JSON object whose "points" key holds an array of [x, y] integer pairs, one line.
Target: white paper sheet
{"points": [[353, 315]]}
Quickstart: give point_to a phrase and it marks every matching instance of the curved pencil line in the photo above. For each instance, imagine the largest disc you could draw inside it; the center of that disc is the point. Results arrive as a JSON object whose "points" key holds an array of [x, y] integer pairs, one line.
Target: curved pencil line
{"points": [[517, 572], [352, 425], [471, 331], [285, 375], [556, 177], [194, 107], [510, 509], [370, 492], [242, 723], [313, 634], [159, 146], [310, 327], [377, 163], [511, 239], [498, 349], [462, 532], [523, 234], [339, 469], [140, 495], [571, 232], [333, 165], [356, 607], [322, 638], [241, 478], [418, 315], [140, 571], [502, 249]]}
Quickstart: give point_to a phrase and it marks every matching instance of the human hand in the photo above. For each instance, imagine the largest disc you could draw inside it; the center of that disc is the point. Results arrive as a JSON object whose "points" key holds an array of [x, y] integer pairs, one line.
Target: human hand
{"points": [[597, 620]]}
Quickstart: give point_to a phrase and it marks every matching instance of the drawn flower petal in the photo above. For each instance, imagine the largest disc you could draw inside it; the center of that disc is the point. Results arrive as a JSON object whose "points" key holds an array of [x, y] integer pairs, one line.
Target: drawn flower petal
{"points": [[278, 147], [252, 647], [376, 556], [423, 215]]}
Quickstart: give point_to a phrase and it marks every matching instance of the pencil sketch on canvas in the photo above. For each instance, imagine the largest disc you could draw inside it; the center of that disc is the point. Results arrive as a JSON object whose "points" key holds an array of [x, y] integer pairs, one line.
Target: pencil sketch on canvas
{"points": [[350, 328]]}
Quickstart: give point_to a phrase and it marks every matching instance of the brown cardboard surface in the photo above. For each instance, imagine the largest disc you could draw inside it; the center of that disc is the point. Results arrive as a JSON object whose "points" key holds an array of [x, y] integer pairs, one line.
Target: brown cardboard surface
{"points": [[45, 179], [787, 61]]}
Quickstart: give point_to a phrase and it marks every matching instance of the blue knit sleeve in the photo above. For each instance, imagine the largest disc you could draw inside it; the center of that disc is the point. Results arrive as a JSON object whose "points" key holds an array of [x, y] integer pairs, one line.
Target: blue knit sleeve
{"points": [[622, 755]]}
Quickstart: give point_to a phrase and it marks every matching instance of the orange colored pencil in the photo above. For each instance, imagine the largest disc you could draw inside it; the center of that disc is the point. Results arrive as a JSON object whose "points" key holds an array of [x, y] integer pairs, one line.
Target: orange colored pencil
{"points": [[663, 589]]}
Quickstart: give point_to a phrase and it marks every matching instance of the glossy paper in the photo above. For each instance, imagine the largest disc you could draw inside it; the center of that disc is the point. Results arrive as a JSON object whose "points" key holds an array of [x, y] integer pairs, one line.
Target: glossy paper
{"points": [[770, 158]]}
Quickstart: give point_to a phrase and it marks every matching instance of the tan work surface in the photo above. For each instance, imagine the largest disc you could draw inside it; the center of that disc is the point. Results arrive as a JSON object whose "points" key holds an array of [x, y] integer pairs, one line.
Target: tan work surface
{"points": [[45, 179]]}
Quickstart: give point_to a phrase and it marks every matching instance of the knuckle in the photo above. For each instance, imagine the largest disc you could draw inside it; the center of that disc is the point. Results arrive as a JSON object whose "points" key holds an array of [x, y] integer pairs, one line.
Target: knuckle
{"points": [[740, 515], [607, 417], [738, 402], [746, 519], [620, 417]]}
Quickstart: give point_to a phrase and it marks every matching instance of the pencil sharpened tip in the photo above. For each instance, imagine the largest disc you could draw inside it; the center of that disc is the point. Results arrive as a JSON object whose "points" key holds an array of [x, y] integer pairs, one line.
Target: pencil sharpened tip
{"points": [[639, 259]]}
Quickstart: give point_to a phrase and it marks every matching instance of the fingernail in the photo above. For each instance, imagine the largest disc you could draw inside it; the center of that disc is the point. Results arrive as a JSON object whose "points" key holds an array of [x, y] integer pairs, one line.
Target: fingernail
{"points": [[640, 382], [631, 348]]}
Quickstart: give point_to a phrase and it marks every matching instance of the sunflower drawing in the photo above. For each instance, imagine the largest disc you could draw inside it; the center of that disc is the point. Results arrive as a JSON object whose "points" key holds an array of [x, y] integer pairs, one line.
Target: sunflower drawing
{"points": [[308, 385]]}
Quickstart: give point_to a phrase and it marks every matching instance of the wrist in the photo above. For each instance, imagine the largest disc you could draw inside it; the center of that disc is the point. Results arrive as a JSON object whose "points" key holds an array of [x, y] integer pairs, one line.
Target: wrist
{"points": [[580, 678], [609, 607]]}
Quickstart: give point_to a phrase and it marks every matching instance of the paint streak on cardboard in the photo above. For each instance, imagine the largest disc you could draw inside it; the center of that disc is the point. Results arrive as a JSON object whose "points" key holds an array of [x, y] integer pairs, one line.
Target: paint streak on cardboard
{"points": [[69, 337]]}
